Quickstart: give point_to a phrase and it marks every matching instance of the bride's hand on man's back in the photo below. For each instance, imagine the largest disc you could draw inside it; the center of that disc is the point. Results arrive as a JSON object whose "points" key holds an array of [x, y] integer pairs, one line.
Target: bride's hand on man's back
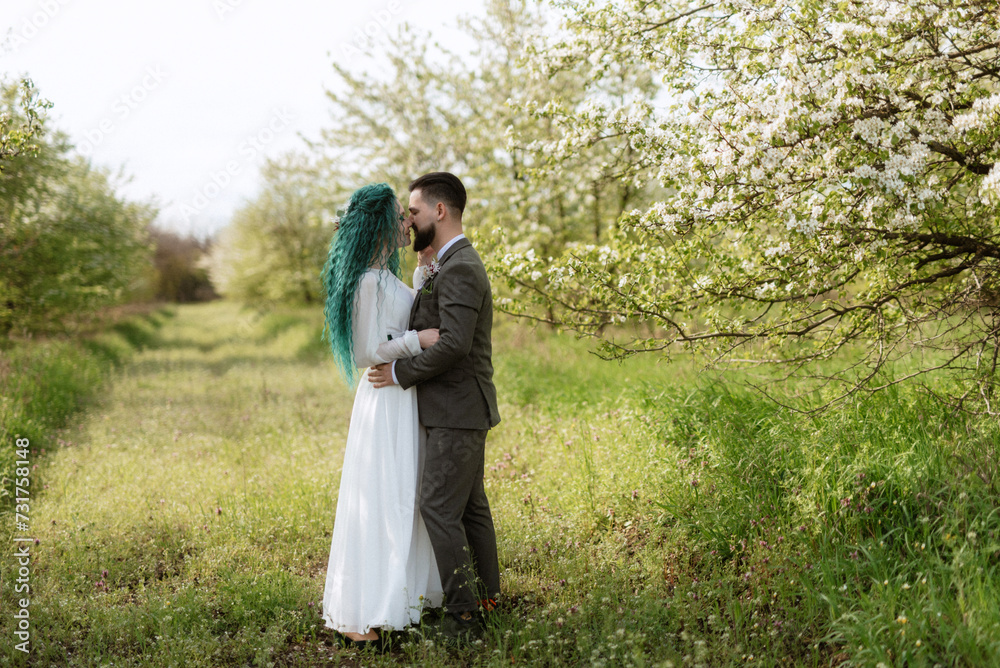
{"points": [[428, 337]]}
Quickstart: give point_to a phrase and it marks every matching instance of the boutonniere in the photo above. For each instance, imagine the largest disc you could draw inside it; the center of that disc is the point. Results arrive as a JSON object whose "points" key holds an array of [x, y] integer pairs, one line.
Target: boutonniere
{"points": [[430, 271]]}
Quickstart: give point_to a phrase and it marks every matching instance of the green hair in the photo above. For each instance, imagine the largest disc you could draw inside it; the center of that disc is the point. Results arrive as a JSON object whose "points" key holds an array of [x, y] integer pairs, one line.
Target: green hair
{"points": [[370, 224]]}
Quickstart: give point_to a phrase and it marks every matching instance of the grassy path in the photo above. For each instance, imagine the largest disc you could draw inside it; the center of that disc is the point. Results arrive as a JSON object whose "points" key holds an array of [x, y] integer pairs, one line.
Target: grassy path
{"points": [[644, 516], [188, 519]]}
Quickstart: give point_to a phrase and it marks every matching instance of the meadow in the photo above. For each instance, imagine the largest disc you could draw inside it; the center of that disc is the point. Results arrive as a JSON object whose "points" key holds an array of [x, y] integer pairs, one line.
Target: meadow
{"points": [[647, 514]]}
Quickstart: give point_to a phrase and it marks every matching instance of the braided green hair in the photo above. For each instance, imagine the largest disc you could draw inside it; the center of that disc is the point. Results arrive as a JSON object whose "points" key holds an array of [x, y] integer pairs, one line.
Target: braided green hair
{"points": [[370, 224]]}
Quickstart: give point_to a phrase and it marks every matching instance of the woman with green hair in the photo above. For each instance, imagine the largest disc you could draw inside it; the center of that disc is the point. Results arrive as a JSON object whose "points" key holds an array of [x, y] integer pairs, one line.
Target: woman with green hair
{"points": [[382, 569]]}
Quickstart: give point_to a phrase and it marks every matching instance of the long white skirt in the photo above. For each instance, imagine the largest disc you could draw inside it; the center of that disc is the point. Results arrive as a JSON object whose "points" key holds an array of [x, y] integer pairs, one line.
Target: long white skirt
{"points": [[382, 570]]}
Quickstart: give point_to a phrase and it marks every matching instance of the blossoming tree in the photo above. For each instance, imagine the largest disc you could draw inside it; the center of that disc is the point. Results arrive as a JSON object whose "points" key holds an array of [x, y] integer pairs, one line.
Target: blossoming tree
{"points": [[22, 119], [832, 179], [424, 108]]}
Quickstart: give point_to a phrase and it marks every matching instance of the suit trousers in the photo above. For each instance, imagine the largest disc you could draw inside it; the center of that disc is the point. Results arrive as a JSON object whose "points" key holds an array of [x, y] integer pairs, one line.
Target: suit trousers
{"points": [[455, 510]]}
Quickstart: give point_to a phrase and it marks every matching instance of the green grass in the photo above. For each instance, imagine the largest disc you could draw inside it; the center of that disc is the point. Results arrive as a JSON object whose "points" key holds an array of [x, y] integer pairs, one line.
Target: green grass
{"points": [[44, 383], [646, 514]]}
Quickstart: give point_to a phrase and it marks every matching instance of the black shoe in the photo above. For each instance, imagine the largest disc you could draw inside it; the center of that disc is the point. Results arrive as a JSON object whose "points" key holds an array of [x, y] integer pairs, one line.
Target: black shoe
{"points": [[453, 629]]}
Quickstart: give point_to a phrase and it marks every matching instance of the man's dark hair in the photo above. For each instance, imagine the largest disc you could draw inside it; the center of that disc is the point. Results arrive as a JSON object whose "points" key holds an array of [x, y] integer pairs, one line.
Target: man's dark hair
{"points": [[441, 187]]}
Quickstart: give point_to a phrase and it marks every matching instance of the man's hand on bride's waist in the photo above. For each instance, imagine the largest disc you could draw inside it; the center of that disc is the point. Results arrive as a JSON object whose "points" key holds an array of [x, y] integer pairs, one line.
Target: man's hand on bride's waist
{"points": [[380, 375]]}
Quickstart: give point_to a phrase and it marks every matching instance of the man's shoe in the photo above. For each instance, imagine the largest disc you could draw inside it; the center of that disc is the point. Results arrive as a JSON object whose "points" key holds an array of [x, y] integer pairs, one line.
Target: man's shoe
{"points": [[453, 629]]}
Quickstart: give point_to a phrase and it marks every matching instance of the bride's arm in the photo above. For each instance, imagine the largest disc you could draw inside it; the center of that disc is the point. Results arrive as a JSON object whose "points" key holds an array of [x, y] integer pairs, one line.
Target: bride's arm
{"points": [[406, 345], [422, 271], [370, 337], [419, 276]]}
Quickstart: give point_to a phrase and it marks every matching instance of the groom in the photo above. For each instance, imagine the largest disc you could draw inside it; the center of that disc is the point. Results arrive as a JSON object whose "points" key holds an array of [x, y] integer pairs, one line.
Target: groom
{"points": [[456, 399]]}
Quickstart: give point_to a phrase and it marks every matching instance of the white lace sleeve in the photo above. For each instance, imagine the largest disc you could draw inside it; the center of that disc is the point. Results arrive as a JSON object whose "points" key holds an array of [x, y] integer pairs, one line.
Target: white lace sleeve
{"points": [[372, 342]]}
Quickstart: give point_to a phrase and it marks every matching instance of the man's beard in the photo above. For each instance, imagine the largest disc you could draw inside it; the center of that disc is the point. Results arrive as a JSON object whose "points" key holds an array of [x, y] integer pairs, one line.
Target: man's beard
{"points": [[424, 238]]}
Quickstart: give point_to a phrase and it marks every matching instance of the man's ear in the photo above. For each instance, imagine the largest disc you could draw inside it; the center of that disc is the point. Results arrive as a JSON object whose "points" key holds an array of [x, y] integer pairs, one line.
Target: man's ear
{"points": [[441, 211]]}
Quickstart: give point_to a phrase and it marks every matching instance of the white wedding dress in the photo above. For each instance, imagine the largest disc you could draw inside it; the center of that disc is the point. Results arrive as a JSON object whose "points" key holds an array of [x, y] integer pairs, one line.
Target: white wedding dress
{"points": [[382, 570]]}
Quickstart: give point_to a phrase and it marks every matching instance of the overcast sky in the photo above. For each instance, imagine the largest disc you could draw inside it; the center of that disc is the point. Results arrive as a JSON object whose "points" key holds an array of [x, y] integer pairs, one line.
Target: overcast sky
{"points": [[190, 95]]}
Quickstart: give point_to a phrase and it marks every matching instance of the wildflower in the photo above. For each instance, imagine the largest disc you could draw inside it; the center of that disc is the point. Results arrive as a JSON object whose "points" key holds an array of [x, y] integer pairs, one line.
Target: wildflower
{"points": [[902, 619], [906, 585]]}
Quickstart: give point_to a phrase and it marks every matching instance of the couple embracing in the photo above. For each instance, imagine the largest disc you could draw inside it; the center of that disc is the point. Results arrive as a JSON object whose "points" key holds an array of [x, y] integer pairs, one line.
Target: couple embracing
{"points": [[413, 527]]}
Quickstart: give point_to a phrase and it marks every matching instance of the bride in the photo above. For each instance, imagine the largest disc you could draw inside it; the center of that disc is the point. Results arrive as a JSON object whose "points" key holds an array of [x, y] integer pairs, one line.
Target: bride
{"points": [[382, 569]]}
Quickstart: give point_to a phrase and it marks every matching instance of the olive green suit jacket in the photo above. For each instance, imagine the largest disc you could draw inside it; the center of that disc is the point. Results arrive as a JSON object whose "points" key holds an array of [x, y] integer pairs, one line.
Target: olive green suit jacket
{"points": [[454, 377]]}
